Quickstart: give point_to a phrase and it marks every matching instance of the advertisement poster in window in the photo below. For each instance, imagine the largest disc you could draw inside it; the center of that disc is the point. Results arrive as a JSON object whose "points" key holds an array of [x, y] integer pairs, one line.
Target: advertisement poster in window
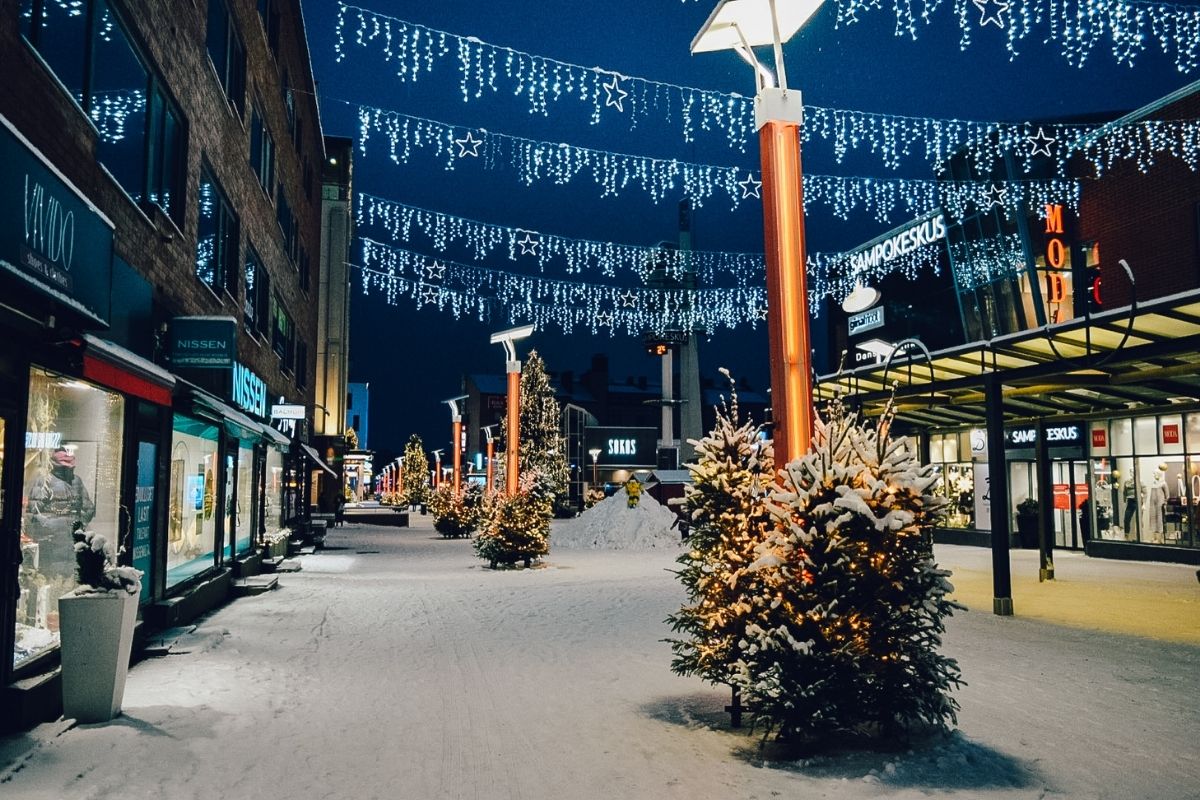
{"points": [[143, 513]]}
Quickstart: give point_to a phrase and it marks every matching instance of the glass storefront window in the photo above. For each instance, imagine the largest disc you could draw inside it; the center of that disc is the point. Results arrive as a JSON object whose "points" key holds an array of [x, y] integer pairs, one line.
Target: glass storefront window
{"points": [[1170, 434], [1107, 497], [1193, 433], [1145, 436], [1122, 437], [191, 529], [1100, 438], [274, 514], [244, 512], [960, 488], [1153, 488], [72, 480]]}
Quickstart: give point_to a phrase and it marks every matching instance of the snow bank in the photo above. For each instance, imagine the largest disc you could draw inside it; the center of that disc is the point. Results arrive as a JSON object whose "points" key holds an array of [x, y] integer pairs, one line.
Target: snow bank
{"points": [[611, 525]]}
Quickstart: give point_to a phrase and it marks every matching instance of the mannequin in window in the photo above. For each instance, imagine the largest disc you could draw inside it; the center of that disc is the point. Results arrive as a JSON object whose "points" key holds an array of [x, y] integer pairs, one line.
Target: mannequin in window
{"points": [[58, 502], [1155, 493], [1129, 493]]}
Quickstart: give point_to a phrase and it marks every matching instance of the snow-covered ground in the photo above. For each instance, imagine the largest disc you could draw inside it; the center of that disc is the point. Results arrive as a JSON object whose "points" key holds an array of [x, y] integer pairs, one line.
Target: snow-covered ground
{"points": [[396, 666], [612, 525]]}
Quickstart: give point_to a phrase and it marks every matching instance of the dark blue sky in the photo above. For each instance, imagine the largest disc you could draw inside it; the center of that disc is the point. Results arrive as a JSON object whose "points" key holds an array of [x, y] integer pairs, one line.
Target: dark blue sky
{"points": [[415, 358]]}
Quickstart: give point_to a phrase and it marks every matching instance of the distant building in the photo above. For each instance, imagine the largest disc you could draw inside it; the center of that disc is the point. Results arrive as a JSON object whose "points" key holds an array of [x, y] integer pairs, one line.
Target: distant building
{"points": [[358, 405]]}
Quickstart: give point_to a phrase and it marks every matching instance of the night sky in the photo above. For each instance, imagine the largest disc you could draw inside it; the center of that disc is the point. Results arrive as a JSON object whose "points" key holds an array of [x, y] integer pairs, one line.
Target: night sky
{"points": [[414, 358]]}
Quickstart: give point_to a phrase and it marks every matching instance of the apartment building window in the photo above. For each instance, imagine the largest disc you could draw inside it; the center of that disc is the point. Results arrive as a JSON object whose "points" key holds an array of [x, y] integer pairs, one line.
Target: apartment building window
{"points": [[216, 238], [262, 151], [287, 224], [304, 270], [270, 22], [283, 334], [140, 132], [227, 53], [256, 307]]}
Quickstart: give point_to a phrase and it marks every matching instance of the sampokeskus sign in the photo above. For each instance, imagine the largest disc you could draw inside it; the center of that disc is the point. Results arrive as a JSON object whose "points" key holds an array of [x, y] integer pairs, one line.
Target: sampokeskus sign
{"points": [[1066, 435], [922, 232]]}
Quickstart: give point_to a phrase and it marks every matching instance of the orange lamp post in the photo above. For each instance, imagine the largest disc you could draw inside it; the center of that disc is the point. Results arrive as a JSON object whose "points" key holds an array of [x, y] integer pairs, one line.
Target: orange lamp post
{"points": [[512, 366], [437, 468], [741, 25], [456, 434], [491, 453]]}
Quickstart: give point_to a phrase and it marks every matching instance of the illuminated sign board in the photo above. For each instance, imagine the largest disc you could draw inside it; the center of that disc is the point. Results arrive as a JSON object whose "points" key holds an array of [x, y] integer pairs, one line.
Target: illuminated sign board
{"points": [[202, 342], [1068, 435], [249, 390], [868, 320], [927, 230], [623, 447]]}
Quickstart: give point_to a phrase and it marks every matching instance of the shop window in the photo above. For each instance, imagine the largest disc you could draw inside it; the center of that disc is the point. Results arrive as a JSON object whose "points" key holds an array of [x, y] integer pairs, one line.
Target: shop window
{"points": [[140, 133], [262, 152], [1121, 437], [192, 522], [958, 476], [227, 54], [1145, 436], [1170, 434], [217, 238], [273, 509], [244, 517], [1193, 433], [72, 478]]}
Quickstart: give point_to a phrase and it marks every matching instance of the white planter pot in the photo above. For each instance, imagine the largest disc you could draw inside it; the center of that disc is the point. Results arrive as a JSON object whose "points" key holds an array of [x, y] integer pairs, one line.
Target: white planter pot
{"points": [[97, 637]]}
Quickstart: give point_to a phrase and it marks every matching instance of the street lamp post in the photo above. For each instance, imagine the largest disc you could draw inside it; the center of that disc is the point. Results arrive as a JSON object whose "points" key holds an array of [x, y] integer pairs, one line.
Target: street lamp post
{"points": [[595, 454], [740, 25], [512, 367], [437, 469], [456, 433], [491, 453]]}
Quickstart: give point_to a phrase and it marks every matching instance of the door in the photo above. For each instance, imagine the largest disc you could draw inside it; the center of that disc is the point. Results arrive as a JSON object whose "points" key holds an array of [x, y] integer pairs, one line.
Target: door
{"points": [[1071, 504]]}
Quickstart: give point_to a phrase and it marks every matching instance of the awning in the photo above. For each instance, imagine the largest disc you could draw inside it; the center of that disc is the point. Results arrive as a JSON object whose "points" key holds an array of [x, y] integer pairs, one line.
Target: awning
{"points": [[1113, 364], [236, 423], [316, 459], [275, 436], [117, 368]]}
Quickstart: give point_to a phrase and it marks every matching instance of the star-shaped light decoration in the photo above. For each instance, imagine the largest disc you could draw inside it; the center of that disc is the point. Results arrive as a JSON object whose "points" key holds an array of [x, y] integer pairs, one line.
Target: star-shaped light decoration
{"points": [[528, 245], [751, 187], [991, 11], [995, 195], [468, 145], [628, 300], [435, 270], [1041, 143], [604, 319], [761, 312], [614, 94], [429, 294]]}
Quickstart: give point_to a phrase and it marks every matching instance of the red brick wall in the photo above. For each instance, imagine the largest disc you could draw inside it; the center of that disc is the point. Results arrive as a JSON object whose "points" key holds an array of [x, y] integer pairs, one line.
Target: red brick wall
{"points": [[1149, 219], [171, 35]]}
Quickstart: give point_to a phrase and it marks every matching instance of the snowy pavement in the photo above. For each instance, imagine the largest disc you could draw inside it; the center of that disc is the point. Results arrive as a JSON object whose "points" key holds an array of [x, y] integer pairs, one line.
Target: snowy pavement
{"points": [[395, 666]]}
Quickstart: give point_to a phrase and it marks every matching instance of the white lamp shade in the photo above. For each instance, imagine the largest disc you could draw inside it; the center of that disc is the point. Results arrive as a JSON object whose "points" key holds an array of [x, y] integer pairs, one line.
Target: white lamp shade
{"points": [[753, 19], [862, 298]]}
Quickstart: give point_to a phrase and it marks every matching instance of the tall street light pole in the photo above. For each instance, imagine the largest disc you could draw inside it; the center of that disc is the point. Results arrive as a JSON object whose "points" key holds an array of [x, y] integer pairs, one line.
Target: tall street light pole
{"points": [[595, 454], [456, 433], [491, 453], [437, 468], [512, 367], [741, 25]]}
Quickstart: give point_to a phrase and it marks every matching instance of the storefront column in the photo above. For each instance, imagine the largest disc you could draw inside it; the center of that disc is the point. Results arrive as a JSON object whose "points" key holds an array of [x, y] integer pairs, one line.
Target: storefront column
{"points": [[1045, 480], [1002, 604]]}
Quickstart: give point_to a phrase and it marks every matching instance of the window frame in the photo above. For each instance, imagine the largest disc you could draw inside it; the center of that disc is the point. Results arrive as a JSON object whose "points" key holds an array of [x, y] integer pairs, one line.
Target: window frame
{"points": [[231, 72], [227, 264]]}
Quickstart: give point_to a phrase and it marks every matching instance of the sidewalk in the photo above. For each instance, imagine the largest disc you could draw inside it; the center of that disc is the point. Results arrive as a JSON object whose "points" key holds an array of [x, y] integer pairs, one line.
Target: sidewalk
{"points": [[1152, 600]]}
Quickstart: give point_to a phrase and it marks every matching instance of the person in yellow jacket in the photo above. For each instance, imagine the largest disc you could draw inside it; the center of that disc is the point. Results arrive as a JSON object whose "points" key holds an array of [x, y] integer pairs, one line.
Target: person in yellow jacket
{"points": [[633, 491]]}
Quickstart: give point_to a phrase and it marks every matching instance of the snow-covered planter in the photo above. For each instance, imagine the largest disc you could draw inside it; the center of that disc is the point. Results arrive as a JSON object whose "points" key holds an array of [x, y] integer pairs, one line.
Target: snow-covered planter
{"points": [[515, 528], [456, 515], [96, 623]]}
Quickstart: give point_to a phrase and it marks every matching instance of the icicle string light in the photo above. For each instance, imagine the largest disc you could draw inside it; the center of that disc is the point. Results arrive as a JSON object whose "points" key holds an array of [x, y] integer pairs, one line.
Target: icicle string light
{"points": [[1077, 26], [414, 49], [578, 256], [466, 289], [561, 163]]}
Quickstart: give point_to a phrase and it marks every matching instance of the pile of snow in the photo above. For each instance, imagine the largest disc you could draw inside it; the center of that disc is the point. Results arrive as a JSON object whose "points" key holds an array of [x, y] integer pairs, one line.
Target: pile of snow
{"points": [[612, 525]]}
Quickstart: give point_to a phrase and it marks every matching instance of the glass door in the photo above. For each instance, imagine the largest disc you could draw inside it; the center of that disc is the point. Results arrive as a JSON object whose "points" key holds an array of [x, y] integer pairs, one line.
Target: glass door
{"points": [[1072, 505]]}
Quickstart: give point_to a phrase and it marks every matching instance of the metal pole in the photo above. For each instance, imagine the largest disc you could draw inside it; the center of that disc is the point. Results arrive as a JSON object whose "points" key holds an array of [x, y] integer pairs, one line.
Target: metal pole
{"points": [[491, 453], [514, 427], [1002, 604], [457, 434], [1045, 480], [787, 291]]}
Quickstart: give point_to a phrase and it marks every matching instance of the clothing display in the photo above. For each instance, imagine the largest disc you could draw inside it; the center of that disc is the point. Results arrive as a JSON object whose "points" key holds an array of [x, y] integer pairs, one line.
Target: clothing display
{"points": [[58, 504], [1156, 497]]}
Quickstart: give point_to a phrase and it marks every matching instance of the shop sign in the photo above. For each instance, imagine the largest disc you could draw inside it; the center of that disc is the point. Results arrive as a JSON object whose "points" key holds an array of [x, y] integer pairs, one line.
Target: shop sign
{"points": [[51, 231], [143, 513], [983, 497], [920, 233], [1020, 437], [1170, 434], [288, 411], [623, 447], [868, 320], [1062, 496], [1099, 437], [249, 390], [1068, 435], [203, 342], [979, 448]]}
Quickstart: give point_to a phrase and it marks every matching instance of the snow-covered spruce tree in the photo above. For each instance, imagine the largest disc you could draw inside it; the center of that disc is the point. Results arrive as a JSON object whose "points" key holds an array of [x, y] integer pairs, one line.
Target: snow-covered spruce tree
{"points": [[542, 450], [732, 474], [456, 514], [850, 605], [416, 472], [516, 528]]}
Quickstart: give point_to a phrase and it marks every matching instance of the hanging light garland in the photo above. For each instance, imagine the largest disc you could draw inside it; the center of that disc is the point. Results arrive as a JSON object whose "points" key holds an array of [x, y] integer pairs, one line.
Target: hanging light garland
{"points": [[980, 262], [560, 163], [485, 240], [113, 113], [462, 289], [416, 49], [1078, 26]]}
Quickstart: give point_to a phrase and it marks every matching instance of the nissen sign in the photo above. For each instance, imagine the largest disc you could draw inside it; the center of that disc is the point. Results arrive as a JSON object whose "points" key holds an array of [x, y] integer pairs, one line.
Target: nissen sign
{"points": [[249, 390], [203, 342], [920, 233]]}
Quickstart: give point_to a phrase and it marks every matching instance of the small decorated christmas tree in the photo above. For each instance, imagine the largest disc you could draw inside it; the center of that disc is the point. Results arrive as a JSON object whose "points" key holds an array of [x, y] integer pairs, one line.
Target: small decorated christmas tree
{"points": [[415, 479], [456, 514], [849, 605], [731, 477], [516, 528]]}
